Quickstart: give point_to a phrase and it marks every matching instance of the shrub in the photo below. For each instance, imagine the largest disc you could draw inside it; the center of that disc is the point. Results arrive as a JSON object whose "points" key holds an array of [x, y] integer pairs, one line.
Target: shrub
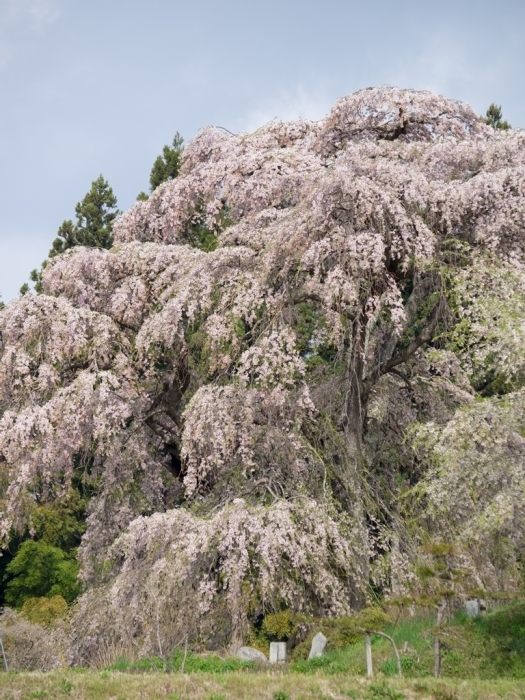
{"points": [[31, 647], [44, 611], [339, 631], [279, 626], [39, 570]]}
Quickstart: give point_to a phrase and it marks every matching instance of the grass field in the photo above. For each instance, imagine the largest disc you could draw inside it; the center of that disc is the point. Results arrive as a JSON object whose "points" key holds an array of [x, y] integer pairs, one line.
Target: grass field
{"points": [[244, 685]]}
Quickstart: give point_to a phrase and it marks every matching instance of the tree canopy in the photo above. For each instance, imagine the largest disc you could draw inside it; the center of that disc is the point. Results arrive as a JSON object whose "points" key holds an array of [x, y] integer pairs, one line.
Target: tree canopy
{"points": [[166, 166], [494, 117], [40, 570], [276, 420], [93, 228]]}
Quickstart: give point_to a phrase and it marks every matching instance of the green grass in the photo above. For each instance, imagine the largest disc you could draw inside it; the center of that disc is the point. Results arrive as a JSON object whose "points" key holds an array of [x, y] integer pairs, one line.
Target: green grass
{"points": [[244, 685], [193, 663], [488, 647]]}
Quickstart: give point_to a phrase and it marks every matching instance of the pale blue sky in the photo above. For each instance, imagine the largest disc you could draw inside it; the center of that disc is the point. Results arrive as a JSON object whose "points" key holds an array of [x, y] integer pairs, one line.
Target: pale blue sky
{"points": [[99, 86]]}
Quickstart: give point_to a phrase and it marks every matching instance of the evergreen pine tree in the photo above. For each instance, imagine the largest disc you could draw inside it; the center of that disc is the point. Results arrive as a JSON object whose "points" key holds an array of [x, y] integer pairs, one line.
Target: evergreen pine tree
{"points": [[167, 166], [93, 228], [494, 117]]}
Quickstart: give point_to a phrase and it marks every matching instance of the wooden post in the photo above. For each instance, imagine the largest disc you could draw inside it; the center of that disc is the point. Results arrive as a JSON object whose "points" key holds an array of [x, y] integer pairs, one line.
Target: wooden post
{"points": [[3, 654], [368, 643], [185, 655], [437, 658], [437, 643]]}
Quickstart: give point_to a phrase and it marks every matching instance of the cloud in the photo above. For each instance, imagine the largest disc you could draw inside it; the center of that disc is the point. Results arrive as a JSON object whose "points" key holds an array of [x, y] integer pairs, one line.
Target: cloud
{"points": [[34, 15], [287, 105], [20, 20], [448, 65]]}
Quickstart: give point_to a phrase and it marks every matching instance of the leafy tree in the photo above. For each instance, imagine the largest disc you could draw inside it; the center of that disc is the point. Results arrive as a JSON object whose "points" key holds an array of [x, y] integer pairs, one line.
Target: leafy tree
{"points": [[39, 570], [167, 166], [494, 117], [93, 228], [58, 522]]}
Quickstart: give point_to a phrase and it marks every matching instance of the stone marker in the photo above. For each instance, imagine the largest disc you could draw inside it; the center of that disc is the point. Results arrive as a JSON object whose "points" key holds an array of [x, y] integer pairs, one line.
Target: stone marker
{"points": [[318, 646], [251, 654], [277, 652], [472, 608]]}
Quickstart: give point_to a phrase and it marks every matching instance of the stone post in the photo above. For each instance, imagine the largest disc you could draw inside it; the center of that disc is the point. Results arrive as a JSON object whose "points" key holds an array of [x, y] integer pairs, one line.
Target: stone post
{"points": [[277, 652]]}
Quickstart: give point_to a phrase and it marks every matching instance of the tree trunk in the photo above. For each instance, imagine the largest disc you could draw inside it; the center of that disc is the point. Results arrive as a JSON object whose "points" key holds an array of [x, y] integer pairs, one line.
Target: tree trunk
{"points": [[355, 403]]}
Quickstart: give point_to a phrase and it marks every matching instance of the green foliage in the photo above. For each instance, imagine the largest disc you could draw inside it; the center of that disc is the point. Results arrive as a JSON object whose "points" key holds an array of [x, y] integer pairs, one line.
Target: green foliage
{"points": [[167, 166], [66, 686], [409, 667], [503, 631], [280, 695], [61, 683], [202, 237], [333, 662], [488, 646], [199, 235], [93, 228], [384, 692], [372, 618], [60, 523], [279, 626], [339, 631], [44, 611], [494, 117], [193, 663], [440, 577], [39, 570], [310, 327]]}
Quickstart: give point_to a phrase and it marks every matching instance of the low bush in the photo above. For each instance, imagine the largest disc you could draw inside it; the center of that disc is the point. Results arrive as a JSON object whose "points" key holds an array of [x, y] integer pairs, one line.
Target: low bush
{"points": [[32, 647], [44, 611]]}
